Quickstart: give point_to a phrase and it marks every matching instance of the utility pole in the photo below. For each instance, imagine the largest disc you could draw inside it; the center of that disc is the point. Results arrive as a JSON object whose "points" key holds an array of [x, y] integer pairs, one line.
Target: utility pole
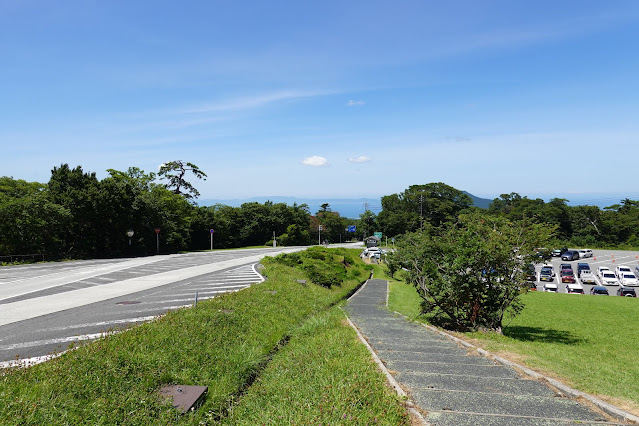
{"points": [[319, 235], [421, 210]]}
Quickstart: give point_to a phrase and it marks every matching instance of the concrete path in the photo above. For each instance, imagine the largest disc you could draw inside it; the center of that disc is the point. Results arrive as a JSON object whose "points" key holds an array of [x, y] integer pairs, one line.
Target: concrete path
{"points": [[450, 384]]}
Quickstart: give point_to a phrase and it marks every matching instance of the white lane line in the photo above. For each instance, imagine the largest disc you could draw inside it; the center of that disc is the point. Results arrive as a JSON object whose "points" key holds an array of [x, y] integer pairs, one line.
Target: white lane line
{"points": [[54, 341], [28, 362], [98, 324]]}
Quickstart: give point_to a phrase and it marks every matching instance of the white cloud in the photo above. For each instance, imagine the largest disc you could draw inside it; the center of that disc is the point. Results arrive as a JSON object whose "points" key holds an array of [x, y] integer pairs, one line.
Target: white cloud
{"points": [[315, 161], [360, 159], [353, 103]]}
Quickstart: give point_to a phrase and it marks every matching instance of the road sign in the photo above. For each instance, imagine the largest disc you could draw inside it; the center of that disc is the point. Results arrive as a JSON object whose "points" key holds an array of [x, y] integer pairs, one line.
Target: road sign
{"points": [[351, 228], [320, 227], [378, 234], [157, 230], [212, 231]]}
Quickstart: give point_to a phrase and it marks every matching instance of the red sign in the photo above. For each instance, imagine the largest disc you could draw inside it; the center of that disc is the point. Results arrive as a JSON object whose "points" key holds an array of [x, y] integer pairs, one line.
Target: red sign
{"points": [[157, 230], [212, 231]]}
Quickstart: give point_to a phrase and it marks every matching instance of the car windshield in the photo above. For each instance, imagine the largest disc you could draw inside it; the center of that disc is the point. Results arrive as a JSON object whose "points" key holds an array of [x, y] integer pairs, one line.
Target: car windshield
{"points": [[608, 275], [567, 272], [632, 277]]}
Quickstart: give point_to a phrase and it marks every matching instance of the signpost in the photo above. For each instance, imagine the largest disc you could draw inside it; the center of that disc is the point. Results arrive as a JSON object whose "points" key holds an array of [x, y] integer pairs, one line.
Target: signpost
{"points": [[351, 228], [212, 231], [378, 235], [157, 239]]}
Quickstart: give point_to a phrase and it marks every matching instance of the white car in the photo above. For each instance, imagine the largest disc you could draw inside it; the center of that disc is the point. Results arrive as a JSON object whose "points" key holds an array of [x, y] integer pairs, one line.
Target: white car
{"points": [[550, 287], [622, 270], [608, 278], [585, 253], [601, 269], [574, 288], [587, 277], [629, 280]]}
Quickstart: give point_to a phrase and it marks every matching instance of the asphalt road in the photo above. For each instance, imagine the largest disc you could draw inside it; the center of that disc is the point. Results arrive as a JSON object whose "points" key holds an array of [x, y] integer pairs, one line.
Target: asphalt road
{"points": [[46, 307], [609, 258]]}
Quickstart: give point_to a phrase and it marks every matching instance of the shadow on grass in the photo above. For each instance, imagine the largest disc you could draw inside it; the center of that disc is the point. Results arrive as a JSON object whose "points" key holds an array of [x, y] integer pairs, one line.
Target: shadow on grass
{"points": [[545, 335]]}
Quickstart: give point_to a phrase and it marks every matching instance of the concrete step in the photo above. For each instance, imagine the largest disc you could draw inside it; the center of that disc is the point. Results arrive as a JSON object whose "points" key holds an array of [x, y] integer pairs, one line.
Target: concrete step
{"points": [[503, 404]]}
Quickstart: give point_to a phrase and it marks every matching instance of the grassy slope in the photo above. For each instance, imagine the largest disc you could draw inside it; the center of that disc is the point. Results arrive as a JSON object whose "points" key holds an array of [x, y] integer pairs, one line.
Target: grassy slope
{"points": [[589, 341], [223, 344]]}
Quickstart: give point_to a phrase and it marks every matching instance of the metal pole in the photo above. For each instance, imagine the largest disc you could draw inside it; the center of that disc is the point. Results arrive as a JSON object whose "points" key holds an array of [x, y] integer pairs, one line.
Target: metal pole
{"points": [[211, 241], [157, 237], [319, 235], [274, 243]]}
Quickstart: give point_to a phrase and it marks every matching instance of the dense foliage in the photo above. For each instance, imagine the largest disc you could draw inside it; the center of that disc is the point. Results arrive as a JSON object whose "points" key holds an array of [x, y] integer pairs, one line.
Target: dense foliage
{"points": [[437, 204], [76, 215], [471, 273]]}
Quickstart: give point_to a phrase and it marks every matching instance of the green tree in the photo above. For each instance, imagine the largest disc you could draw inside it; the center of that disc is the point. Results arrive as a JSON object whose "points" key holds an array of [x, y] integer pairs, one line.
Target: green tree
{"points": [[469, 274], [175, 172]]}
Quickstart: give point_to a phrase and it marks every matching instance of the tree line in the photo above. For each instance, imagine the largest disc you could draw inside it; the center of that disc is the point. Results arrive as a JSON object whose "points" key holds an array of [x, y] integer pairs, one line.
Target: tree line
{"points": [[435, 204], [76, 215]]}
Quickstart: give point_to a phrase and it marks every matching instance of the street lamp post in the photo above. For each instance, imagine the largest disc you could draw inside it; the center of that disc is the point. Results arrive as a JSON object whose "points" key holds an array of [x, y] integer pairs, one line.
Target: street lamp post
{"points": [[129, 234]]}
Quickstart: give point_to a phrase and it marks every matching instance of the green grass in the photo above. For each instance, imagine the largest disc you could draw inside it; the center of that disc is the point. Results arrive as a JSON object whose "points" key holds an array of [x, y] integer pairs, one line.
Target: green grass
{"points": [[224, 344], [323, 376], [589, 342]]}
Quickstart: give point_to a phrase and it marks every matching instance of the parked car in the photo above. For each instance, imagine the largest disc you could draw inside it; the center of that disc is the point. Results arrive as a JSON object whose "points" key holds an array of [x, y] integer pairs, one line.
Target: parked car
{"points": [[570, 255], [559, 252], [585, 253], [586, 276], [602, 269], [546, 274], [550, 287], [574, 288], [582, 267], [567, 276], [626, 292], [565, 266], [629, 280], [608, 278], [599, 291], [622, 270], [531, 273]]}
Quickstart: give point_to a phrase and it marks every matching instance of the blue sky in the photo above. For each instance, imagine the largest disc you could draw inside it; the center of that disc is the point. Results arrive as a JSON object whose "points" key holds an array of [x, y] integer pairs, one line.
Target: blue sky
{"points": [[327, 99]]}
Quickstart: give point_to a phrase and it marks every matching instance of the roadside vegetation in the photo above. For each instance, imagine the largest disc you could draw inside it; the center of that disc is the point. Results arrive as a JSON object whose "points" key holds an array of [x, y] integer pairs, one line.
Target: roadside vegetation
{"points": [[244, 346], [586, 341]]}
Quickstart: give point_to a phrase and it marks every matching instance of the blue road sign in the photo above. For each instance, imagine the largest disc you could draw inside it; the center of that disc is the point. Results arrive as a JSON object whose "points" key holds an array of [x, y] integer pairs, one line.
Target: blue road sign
{"points": [[351, 228]]}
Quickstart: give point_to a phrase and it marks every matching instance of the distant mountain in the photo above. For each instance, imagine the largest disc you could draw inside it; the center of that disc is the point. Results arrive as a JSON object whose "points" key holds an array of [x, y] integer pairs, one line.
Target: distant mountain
{"points": [[482, 203]]}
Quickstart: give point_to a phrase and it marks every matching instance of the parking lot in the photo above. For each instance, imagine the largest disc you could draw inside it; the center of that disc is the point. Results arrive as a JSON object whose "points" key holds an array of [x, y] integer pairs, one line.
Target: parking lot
{"points": [[609, 258]]}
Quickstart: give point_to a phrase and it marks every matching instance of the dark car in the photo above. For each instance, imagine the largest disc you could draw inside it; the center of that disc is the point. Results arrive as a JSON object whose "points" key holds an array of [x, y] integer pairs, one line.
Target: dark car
{"points": [[599, 291], [570, 255], [531, 274], [627, 292], [565, 266], [582, 267]]}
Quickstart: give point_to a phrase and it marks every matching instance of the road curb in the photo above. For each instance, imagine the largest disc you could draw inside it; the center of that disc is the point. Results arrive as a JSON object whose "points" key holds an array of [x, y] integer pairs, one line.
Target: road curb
{"points": [[574, 393]]}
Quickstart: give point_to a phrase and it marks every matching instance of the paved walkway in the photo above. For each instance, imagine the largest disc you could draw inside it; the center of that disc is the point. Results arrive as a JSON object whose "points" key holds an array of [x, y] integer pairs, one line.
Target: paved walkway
{"points": [[448, 383]]}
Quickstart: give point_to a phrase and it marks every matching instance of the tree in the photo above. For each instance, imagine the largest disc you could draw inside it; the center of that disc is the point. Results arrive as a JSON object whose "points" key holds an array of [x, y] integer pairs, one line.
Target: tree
{"points": [[174, 172], [472, 272]]}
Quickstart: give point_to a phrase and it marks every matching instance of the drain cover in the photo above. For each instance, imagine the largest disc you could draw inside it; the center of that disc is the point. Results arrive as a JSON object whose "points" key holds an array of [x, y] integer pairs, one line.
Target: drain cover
{"points": [[184, 398], [129, 302]]}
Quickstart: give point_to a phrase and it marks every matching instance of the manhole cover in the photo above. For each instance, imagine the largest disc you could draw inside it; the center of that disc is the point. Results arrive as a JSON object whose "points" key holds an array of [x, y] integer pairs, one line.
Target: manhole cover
{"points": [[129, 302]]}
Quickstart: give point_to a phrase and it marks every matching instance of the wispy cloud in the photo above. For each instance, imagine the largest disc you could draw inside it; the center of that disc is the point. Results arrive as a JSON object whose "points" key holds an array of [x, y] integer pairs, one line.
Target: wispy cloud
{"points": [[354, 103], [360, 159], [315, 161], [257, 101]]}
